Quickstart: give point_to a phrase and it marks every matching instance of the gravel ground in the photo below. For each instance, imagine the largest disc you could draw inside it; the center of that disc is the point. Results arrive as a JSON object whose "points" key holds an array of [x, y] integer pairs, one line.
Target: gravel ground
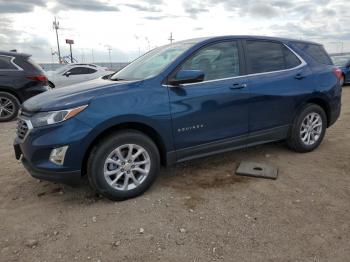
{"points": [[196, 211]]}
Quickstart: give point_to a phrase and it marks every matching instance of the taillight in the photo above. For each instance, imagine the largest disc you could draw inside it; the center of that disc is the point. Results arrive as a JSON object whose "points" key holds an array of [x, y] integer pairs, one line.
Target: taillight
{"points": [[39, 78], [338, 73]]}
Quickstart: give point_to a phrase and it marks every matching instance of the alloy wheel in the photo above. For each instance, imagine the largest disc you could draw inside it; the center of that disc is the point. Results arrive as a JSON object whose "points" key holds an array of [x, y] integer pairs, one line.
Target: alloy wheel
{"points": [[311, 128], [127, 167], [7, 108]]}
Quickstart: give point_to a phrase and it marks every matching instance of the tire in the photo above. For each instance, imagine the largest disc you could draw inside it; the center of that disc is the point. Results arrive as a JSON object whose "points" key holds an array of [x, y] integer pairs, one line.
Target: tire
{"points": [[298, 139], [9, 107], [98, 165]]}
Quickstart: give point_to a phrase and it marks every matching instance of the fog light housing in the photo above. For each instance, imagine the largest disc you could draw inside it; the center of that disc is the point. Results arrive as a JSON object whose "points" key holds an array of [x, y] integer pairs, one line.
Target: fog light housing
{"points": [[58, 154]]}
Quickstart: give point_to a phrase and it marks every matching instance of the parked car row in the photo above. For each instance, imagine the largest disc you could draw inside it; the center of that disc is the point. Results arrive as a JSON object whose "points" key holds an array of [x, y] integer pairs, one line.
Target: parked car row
{"points": [[75, 73], [21, 78], [179, 102], [343, 62]]}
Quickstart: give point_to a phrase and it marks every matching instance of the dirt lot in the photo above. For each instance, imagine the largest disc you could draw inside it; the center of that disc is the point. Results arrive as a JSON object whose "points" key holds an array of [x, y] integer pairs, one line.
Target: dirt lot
{"points": [[197, 211]]}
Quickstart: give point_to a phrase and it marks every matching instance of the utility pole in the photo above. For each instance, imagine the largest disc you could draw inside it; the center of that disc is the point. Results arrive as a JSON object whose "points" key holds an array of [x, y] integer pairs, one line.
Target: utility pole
{"points": [[56, 26], [171, 39], [92, 55], [109, 54]]}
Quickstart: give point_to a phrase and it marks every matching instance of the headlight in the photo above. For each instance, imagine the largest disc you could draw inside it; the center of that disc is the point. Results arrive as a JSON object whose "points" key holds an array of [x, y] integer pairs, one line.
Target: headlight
{"points": [[49, 118]]}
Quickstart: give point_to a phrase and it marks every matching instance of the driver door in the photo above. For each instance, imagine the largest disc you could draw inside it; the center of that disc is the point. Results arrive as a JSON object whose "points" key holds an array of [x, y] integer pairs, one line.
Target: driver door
{"points": [[211, 115]]}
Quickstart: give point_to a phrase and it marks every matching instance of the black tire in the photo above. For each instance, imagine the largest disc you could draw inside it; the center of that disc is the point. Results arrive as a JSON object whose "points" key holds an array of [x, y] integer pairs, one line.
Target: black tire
{"points": [[295, 141], [102, 150], [14, 106]]}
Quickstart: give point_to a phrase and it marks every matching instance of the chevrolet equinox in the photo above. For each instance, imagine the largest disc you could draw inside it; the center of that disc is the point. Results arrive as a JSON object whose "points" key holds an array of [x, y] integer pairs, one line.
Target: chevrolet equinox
{"points": [[177, 102]]}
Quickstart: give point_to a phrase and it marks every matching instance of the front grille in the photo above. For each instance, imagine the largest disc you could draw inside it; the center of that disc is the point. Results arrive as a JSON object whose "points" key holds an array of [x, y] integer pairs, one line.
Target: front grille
{"points": [[22, 128]]}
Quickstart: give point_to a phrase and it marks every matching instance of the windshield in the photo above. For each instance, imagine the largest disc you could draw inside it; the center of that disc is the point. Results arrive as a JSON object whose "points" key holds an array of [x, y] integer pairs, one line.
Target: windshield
{"points": [[341, 60], [151, 63]]}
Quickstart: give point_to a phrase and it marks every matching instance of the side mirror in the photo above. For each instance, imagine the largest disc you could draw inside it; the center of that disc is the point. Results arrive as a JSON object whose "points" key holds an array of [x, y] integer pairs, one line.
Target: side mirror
{"points": [[187, 77], [67, 73]]}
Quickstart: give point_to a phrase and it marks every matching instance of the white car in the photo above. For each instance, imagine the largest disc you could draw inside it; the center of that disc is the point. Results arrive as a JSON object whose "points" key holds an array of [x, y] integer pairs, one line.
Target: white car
{"points": [[75, 73]]}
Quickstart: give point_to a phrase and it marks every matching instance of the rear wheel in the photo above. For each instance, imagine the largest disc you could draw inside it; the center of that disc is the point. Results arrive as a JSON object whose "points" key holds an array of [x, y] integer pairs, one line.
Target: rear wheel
{"points": [[9, 107], [124, 165], [308, 129]]}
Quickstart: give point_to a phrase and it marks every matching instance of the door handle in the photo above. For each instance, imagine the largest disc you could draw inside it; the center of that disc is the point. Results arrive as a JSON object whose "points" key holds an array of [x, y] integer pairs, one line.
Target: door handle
{"points": [[238, 86], [300, 76]]}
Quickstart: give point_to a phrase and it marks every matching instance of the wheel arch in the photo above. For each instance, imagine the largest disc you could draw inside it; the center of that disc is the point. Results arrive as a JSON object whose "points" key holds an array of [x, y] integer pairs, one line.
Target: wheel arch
{"points": [[321, 102], [12, 92], [141, 127]]}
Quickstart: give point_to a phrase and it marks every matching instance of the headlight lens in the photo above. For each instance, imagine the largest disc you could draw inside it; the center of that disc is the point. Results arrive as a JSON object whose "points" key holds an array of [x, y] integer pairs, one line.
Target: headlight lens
{"points": [[49, 118]]}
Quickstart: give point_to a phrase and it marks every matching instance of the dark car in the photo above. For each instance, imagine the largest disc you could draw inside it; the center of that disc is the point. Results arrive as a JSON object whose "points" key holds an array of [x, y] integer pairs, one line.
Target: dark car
{"points": [[178, 102], [20, 78], [343, 62]]}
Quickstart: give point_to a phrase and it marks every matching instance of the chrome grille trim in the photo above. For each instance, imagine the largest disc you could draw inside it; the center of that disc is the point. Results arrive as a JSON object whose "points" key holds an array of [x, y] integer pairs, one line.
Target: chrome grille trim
{"points": [[24, 126]]}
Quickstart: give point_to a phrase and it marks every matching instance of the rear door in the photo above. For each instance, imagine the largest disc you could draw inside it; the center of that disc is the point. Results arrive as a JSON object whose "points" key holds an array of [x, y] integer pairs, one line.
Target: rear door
{"points": [[208, 115], [279, 80]]}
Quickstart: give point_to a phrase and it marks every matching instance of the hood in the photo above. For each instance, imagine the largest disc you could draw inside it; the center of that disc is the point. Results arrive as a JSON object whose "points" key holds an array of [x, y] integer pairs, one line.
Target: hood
{"points": [[74, 95]]}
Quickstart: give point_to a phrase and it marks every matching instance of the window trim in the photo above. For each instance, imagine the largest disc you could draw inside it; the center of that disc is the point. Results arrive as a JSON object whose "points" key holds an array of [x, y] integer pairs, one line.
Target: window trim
{"points": [[13, 63], [303, 63]]}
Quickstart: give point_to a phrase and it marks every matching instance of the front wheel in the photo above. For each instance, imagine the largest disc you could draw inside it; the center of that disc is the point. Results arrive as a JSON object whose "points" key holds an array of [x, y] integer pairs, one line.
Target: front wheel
{"points": [[124, 165], [308, 129]]}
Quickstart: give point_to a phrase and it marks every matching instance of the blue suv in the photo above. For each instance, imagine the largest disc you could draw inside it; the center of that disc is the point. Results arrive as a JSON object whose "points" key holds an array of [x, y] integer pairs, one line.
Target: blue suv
{"points": [[181, 101], [343, 62]]}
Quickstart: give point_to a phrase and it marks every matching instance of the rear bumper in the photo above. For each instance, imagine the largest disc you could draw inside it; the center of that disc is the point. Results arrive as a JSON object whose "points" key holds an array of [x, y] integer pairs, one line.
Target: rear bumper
{"points": [[335, 113], [29, 92]]}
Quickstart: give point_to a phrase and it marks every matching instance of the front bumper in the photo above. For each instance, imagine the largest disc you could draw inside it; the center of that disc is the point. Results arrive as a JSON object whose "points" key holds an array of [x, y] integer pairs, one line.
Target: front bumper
{"points": [[69, 177], [34, 151]]}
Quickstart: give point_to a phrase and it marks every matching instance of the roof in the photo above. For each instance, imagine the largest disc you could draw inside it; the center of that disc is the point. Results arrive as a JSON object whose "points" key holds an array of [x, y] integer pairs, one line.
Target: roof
{"points": [[8, 53], [226, 37]]}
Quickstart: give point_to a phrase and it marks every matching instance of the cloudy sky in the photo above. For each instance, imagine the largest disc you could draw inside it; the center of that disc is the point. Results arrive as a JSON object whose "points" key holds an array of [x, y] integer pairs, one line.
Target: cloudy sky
{"points": [[130, 27]]}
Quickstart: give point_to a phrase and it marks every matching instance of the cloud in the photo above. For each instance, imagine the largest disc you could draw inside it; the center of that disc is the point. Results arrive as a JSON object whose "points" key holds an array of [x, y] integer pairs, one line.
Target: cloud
{"points": [[11, 38], [160, 17], [19, 6], [85, 5], [143, 8], [195, 8]]}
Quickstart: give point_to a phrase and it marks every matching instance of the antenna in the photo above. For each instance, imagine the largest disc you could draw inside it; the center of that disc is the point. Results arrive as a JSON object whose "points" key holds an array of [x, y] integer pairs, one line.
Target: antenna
{"points": [[171, 39], [56, 26]]}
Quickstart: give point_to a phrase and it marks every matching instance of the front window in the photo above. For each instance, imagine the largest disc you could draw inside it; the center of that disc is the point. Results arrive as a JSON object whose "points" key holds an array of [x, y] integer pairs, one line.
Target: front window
{"points": [[217, 61], [151, 63]]}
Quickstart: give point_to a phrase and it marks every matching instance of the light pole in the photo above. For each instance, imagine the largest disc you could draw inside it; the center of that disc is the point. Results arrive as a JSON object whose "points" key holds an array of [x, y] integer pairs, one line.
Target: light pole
{"points": [[56, 26], [171, 39], [109, 55]]}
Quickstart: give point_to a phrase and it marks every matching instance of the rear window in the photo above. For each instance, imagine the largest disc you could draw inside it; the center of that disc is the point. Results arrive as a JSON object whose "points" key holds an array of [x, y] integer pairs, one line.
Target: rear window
{"points": [[317, 52], [6, 63], [265, 56]]}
